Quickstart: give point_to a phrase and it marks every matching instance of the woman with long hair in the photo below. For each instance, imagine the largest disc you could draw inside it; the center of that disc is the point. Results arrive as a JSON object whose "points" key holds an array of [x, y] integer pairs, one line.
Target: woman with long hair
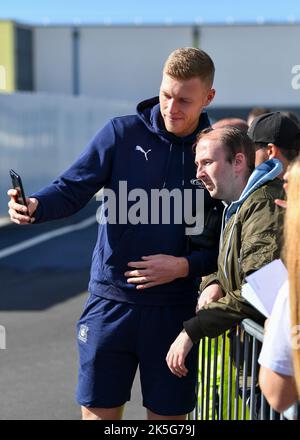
{"points": [[292, 258], [279, 377]]}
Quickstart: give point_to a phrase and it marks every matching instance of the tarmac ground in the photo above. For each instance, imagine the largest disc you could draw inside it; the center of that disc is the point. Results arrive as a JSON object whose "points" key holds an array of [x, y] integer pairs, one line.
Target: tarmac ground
{"points": [[42, 292]]}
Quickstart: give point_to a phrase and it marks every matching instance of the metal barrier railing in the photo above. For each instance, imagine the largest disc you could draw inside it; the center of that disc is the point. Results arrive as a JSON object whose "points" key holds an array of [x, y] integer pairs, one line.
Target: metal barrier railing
{"points": [[228, 378]]}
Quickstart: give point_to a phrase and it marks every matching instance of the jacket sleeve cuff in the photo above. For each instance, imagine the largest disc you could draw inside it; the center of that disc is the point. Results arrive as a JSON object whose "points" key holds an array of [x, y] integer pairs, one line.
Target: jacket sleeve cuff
{"points": [[194, 268], [193, 329], [38, 214], [210, 279], [203, 262]]}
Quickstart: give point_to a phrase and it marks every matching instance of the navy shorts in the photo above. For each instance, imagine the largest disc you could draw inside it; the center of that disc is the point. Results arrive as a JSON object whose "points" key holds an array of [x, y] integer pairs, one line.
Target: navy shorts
{"points": [[115, 338]]}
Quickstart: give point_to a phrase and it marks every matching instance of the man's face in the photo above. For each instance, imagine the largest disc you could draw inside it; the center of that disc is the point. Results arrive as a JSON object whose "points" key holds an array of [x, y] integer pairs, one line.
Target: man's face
{"points": [[261, 155], [271, 152], [214, 170], [181, 103]]}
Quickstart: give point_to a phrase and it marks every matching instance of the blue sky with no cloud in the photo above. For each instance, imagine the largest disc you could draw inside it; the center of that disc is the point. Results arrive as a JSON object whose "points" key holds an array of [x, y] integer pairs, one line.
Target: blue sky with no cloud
{"points": [[155, 11]]}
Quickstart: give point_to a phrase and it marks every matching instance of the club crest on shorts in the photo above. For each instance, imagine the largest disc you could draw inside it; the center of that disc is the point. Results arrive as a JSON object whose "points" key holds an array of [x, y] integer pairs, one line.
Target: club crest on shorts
{"points": [[83, 333]]}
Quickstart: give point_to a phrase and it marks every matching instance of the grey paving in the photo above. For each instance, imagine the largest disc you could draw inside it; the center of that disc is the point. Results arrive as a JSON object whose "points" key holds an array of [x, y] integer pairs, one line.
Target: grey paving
{"points": [[38, 367], [42, 292]]}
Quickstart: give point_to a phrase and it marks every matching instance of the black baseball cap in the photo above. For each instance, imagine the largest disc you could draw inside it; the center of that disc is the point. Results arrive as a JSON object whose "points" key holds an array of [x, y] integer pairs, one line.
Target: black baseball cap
{"points": [[274, 128]]}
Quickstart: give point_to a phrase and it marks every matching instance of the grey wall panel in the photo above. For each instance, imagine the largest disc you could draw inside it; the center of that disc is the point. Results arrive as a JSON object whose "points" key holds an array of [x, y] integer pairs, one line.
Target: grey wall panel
{"points": [[253, 63], [53, 59], [126, 62], [41, 134]]}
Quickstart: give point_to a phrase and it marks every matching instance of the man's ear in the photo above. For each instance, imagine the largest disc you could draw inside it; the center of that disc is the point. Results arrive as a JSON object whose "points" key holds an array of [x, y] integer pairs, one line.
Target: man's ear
{"points": [[210, 97], [240, 161], [273, 151]]}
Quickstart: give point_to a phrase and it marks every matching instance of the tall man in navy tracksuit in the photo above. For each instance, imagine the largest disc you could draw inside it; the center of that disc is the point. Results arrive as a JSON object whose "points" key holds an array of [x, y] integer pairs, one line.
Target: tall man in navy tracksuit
{"points": [[143, 274]]}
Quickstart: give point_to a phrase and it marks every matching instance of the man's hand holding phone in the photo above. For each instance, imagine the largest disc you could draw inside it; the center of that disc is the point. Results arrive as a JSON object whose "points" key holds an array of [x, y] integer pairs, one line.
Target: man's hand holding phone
{"points": [[21, 209], [21, 214]]}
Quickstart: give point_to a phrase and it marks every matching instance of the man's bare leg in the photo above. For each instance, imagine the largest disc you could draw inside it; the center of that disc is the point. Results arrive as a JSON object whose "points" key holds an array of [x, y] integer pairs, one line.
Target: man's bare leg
{"points": [[102, 413], [152, 416]]}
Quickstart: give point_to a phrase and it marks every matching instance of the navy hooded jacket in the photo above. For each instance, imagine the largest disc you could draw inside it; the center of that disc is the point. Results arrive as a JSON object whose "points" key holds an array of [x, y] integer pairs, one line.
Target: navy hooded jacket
{"points": [[117, 153]]}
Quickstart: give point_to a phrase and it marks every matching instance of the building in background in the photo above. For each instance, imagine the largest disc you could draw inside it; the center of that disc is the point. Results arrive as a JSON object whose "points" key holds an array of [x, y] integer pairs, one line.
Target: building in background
{"points": [[16, 57], [253, 62], [81, 76]]}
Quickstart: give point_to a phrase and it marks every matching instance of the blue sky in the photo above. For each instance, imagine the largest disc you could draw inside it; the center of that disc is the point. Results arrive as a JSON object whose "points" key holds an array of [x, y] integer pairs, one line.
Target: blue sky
{"points": [[153, 11]]}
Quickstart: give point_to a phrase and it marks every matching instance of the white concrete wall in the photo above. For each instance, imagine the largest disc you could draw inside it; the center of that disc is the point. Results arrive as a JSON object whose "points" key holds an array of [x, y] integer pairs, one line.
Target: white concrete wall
{"points": [[126, 62], [42, 134], [53, 60], [253, 63]]}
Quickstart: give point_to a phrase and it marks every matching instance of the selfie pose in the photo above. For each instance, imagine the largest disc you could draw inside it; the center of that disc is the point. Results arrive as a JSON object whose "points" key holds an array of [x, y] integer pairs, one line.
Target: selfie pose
{"points": [[143, 276]]}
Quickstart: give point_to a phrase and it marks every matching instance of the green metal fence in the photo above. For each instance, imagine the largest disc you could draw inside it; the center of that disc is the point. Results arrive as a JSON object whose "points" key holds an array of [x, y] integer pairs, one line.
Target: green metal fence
{"points": [[228, 378]]}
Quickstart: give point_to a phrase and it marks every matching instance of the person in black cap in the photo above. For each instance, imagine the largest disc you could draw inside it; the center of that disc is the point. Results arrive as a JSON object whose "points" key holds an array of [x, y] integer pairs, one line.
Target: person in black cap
{"points": [[275, 135], [256, 111]]}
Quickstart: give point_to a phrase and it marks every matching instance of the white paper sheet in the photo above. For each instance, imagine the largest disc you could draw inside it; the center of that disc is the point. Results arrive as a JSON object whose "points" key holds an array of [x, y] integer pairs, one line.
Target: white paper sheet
{"points": [[263, 286]]}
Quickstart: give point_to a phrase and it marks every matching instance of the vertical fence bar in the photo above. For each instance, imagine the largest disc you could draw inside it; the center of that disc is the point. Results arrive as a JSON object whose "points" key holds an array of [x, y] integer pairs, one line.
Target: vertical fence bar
{"points": [[215, 370], [245, 374], [229, 390], [208, 369], [202, 378], [222, 375], [263, 408], [237, 377], [272, 414], [253, 375]]}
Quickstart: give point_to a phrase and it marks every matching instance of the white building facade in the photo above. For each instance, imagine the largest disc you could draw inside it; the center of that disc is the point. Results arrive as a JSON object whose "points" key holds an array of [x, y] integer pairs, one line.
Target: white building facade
{"points": [[256, 65]]}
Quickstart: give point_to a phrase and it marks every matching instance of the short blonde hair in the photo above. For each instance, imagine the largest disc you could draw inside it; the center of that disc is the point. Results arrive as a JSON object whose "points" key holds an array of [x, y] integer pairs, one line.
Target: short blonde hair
{"points": [[189, 62]]}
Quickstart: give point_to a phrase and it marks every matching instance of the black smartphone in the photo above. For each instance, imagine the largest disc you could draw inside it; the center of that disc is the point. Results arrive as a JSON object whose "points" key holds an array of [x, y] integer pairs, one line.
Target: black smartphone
{"points": [[17, 184]]}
